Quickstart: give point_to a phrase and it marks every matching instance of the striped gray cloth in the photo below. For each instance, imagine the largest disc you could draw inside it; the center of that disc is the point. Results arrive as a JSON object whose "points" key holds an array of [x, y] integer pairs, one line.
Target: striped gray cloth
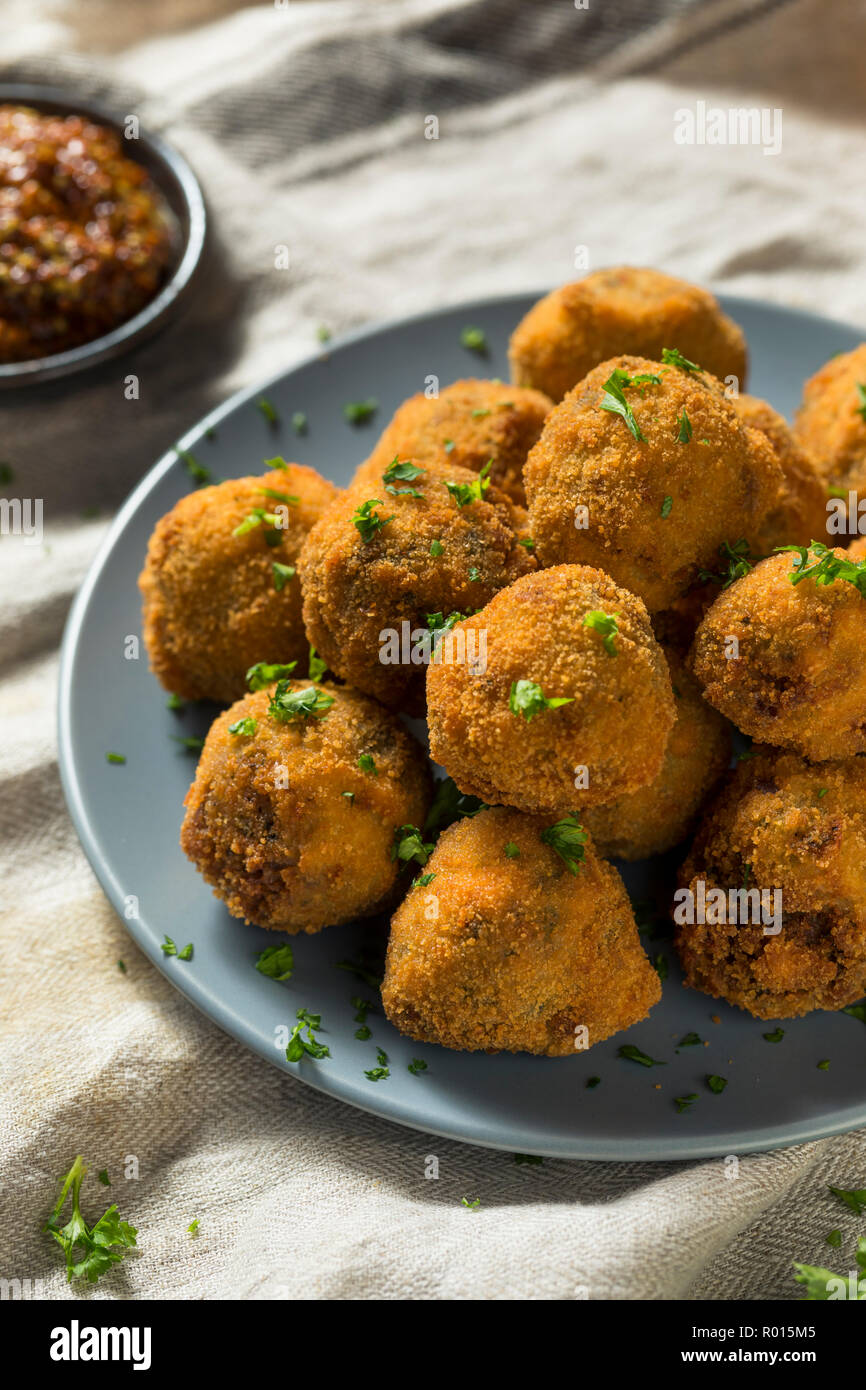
{"points": [[305, 124]]}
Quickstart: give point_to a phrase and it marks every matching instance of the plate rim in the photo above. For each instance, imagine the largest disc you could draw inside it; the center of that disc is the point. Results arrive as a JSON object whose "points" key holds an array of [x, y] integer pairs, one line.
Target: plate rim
{"points": [[217, 1009]]}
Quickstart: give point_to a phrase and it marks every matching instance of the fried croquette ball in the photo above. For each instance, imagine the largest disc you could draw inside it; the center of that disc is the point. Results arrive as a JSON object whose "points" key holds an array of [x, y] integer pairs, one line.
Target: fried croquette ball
{"points": [[621, 310], [781, 824], [799, 513], [662, 813], [470, 424], [508, 950], [650, 511], [215, 601], [379, 567], [857, 550], [831, 421], [554, 697], [784, 660], [283, 821]]}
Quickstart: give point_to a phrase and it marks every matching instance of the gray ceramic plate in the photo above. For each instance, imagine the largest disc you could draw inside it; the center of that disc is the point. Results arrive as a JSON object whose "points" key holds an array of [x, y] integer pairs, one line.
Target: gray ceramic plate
{"points": [[179, 186], [129, 816]]}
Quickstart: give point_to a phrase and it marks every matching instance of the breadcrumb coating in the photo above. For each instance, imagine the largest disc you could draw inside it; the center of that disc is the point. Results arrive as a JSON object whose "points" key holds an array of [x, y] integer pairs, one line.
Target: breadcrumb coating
{"points": [[515, 954], [661, 814], [653, 511], [270, 823], [799, 513], [831, 421], [784, 662], [609, 740], [211, 605], [432, 556], [622, 309], [783, 823], [470, 424]]}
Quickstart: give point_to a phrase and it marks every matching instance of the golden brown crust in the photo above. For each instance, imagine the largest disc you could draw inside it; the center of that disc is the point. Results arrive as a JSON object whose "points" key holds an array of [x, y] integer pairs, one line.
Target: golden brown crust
{"points": [[799, 679], [782, 823], [622, 309], [656, 510], [616, 726], [830, 424], [269, 827], [355, 590], [469, 424], [211, 607], [661, 814], [515, 954], [799, 514]]}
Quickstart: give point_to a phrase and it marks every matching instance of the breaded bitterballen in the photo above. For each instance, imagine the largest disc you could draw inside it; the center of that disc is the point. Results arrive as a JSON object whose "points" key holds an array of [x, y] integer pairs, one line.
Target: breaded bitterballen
{"points": [[784, 660], [622, 309], [661, 814], [831, 421], [214, 603], [470, 424], [799, 514], [507, 950], [282, 821], [651, 511], [611, 736], [443, 551], [782, 823]]}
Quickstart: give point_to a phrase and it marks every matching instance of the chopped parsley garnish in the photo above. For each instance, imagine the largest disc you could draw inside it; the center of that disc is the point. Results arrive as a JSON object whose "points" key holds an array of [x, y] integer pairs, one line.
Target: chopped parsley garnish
{"points": [[634, 1054], [685, 1102], [853, 1197], [277, 962], [309, 1046], [592, 1082], [717, 1084], [186, 953], [323, 333], [7, 474], [193, 743], [380, 1072], [103, 1177], [402, 472], [99, 1246], [374, 981], [436, 548], [417, 1065], [474, 1205], [193, 1226], [367, 522], [529, 699], [246, 726], [738, 562], [824, 1065], [196, 470], [479, 414], [856, 1011], [449, 804], [614, 400], [606, 624], [684, 430], [121, 965], [316, 666], [474, 574], [169, 948], [257, 517], [286, 704], [475, 339], [466, 493], [823, 1284], [367, 763], [439, 624], [115, 758], [268, 411], [357, 412], [175, 702], [448, 445], [409, 844], [299, 422], [527, 542], [861, 400], [567, 837], [512, 851], [423, 880], [282, 574], [834, 1239], [672, 357], [529, 1160], [266, 672], [827, 568], [660, 965], [276, 464], [287, 497], [667, 504], [776, 1036], [690, 1040]]}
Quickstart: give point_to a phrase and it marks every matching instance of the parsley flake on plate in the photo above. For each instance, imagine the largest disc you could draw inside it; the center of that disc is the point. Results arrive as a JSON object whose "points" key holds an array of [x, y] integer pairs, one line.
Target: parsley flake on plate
{"points": [[277, 962]]}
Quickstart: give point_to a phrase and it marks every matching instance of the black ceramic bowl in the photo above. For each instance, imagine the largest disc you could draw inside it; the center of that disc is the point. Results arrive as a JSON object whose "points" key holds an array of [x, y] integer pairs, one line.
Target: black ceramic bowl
{"points": [[178, 185]]}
